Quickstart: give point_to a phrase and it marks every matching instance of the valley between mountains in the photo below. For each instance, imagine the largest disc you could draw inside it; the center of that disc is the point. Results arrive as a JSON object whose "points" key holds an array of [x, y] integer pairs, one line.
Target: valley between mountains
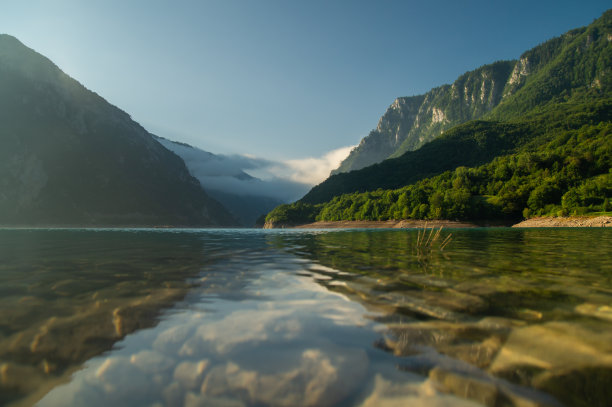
{"points": [[508, 141]]}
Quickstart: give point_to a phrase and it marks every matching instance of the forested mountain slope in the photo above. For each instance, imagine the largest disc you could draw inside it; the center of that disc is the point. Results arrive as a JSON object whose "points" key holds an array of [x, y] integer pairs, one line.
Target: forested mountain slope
{"points": [[549, 72], [544, 149], [565, 170]]}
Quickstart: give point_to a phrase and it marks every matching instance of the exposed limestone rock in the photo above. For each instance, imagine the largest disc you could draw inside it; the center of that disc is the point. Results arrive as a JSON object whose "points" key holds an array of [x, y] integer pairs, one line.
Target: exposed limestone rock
{"points": [[409, 122], [438, 116], [521, 69]]}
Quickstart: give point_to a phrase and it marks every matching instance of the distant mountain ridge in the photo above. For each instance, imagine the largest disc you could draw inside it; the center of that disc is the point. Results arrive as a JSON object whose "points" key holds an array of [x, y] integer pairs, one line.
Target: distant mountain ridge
{"points": [[492, 90], [69, 158], [245, 196]]}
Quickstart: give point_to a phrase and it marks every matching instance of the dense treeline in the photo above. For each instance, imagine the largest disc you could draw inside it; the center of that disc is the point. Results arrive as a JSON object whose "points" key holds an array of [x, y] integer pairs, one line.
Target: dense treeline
{"points": [[570, 176], [564, 170]]}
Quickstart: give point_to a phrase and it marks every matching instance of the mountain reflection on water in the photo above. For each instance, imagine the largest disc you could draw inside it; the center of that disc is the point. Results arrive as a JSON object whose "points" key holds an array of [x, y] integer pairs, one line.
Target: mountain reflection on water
{"points": [[248, 317]]}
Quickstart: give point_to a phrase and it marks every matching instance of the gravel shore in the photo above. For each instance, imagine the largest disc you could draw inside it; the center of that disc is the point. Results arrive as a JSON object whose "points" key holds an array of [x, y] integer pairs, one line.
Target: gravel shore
{"points": [[416, 224], [574, 221]]}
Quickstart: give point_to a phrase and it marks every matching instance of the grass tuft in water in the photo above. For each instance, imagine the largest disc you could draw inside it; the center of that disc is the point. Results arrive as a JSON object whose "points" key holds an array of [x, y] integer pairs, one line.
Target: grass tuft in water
{"points": [[432, 240]]}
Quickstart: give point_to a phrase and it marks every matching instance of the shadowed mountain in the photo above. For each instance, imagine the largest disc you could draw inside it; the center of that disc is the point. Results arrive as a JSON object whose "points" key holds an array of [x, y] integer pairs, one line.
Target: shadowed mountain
{"points": [[69, 158]]}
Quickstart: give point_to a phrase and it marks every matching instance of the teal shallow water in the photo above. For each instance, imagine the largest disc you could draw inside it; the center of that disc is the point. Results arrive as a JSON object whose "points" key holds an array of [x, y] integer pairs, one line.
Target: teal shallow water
{"points": [[253, 317]]}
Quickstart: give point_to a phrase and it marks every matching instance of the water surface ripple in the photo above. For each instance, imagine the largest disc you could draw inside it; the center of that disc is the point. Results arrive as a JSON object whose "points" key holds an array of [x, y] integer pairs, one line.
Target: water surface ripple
{"points": [[311, 318]]}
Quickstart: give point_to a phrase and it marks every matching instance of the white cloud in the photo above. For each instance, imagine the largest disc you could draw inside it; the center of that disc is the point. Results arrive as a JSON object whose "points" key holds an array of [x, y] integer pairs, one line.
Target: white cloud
{"points": [[311, 170]]}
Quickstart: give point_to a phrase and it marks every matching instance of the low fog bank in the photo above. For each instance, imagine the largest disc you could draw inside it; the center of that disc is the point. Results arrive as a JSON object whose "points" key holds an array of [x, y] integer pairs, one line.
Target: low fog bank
{"points": [[223, 178], [246, 175], [250, 186]]}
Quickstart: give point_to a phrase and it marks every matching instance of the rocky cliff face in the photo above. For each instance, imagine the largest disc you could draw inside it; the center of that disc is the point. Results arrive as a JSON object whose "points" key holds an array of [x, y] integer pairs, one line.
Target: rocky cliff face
{"points": [[68, 157], [390, 133], [412, 121], [578, 59]]}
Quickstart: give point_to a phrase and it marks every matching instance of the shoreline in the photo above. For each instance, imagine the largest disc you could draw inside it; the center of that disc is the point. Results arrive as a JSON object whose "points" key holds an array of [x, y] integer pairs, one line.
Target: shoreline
{"points": [[541, 222], [567, 222], [380, 224]]}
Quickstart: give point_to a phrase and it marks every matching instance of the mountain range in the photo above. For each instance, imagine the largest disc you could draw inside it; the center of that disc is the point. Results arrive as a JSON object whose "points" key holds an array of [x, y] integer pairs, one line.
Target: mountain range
{"points": [[539, 126], [536, 77], [511, 139]]}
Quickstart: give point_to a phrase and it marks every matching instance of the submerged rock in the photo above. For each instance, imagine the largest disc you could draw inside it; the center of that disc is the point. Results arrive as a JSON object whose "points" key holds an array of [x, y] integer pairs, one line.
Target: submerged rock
{"points": [[386, 393], [572, 362], [594, 310], [17, 379], [587, 387], [446, 337], [555, 345], [477, 354], [488, 390]]}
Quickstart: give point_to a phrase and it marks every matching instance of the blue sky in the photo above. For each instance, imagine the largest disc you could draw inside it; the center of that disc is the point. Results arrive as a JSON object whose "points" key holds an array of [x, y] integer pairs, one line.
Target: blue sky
{"points": [[278, 79]]}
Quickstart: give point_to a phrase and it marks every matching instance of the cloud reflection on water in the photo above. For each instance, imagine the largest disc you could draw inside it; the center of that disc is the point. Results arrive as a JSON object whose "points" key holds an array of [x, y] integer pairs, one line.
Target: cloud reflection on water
{"points": [[287, 341]]}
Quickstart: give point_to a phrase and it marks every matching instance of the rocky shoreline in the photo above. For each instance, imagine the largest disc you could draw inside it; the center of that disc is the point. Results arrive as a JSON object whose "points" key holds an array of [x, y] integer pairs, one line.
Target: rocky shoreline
{"points": [[573, 221]]}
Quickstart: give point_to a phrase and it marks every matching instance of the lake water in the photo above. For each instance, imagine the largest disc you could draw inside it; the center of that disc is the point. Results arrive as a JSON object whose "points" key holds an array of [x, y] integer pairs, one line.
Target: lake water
{"points": [[499, 317]]}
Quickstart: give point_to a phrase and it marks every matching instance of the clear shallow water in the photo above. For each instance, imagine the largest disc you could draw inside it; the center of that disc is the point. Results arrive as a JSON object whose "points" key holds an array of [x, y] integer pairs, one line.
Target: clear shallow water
{"points": [[241, 317]]}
